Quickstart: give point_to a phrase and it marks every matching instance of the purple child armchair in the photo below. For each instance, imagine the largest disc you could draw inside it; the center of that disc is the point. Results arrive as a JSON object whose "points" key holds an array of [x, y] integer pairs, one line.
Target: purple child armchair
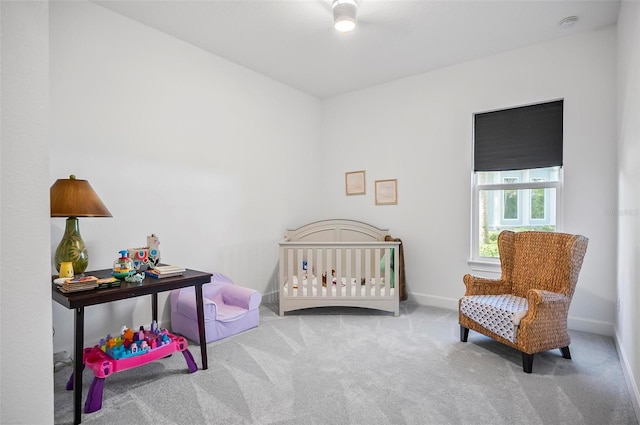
{"points": [[228, 309]]}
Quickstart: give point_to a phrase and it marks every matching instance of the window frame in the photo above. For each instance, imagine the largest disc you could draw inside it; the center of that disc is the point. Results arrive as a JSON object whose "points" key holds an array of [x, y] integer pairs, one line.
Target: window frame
{"points": [[490, 264]]}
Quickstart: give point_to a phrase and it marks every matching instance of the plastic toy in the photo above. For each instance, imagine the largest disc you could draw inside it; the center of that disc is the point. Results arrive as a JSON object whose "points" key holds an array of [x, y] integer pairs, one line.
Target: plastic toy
{"points": [[135, 278], [123, 266], [146, 256], [130, 343], [128, 350]]}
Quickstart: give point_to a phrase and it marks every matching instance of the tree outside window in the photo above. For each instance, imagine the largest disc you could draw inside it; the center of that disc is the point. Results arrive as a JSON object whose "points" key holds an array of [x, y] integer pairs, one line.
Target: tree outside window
{"points": [[538, 202], [510, 202]]}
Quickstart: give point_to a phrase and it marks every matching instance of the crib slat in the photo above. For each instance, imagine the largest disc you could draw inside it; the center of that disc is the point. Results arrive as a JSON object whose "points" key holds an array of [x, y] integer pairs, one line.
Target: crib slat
{"points": [[376, 270], [380, 273], [358, 288], [367, 271], [329, 278], [318, 286], [338, 285], [310, 269], [387, 270], [384, 286], [349, 273], [300, 273]]}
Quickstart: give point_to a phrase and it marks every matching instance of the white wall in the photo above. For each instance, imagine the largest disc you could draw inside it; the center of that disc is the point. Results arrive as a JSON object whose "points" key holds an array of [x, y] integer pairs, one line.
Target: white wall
{"points": [[213, 158], [419, 130], [628, 290], [25, 288]]}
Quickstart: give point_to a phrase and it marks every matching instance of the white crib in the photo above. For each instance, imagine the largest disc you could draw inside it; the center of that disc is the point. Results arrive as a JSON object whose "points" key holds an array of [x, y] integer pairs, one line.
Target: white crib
{"points": [[339, 263]]}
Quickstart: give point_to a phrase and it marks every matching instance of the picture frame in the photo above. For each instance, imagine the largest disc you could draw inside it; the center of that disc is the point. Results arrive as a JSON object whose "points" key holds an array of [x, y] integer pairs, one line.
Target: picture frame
{"points": [[355, 183], [386, 192]]}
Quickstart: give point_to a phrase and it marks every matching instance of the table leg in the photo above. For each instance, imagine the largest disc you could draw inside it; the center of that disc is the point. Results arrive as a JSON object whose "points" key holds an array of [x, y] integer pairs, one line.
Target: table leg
{"points": [[78, 365], [154, 306], [200, 312]]}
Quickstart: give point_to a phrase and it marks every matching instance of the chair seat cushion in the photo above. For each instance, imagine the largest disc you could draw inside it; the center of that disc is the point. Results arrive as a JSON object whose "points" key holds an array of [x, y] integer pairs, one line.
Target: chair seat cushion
{"points": [[229, 313], [500, 314]]}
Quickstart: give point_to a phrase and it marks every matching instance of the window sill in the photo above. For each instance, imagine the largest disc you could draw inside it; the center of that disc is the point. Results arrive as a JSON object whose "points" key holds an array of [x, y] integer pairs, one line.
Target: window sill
{"points": [[486, 266]]}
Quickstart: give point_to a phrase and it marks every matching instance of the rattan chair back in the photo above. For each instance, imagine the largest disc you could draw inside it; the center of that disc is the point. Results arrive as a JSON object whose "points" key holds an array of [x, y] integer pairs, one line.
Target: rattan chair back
{"points": [[548, 261]]}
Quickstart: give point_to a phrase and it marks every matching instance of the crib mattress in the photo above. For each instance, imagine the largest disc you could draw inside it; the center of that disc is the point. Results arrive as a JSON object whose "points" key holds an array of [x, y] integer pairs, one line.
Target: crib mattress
{"points": [[311, 288]]}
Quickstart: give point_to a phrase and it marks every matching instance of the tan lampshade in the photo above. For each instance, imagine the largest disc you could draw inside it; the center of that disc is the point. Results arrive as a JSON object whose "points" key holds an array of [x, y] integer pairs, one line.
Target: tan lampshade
{"points": [[76, 198]]}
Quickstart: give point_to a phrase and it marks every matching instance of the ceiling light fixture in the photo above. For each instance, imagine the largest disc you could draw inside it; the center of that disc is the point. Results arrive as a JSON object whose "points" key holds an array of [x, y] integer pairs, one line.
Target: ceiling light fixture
{"points": [[568, 22], [344, 14]]}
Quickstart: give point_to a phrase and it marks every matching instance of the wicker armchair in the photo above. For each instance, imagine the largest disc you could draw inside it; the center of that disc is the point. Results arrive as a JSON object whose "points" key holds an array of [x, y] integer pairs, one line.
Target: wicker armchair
{"points": [[527, 307]]}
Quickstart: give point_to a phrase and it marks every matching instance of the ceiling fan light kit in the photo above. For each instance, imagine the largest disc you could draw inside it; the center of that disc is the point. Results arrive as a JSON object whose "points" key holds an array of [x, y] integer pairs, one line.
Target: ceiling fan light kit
{"points": [[344, 14]]}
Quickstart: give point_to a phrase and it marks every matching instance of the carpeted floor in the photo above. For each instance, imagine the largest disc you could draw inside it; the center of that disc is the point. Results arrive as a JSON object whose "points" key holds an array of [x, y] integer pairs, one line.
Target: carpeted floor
{"points": [[356, 366]]}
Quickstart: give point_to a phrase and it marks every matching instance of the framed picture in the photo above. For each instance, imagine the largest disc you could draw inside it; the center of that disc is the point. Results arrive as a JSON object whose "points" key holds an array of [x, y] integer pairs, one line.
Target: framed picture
{"points": [[387, 192], [355, 183]]}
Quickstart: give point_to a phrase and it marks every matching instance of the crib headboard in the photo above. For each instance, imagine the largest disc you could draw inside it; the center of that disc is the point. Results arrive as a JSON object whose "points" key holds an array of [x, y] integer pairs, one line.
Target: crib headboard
{"points": [[336, 230]]}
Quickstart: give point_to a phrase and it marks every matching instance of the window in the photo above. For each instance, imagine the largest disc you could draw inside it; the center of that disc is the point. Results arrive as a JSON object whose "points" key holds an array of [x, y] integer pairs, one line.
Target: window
{"points": [[510, 201], [507, 203], [538, 202], [517, 176]]}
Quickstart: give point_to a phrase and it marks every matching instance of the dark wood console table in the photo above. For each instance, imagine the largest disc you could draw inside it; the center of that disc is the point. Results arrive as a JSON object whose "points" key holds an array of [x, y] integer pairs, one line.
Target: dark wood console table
{"points": [[150, 286]]}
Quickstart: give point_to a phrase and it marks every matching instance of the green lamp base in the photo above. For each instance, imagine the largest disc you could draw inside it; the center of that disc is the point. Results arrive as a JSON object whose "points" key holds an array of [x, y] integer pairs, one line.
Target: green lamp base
{"points": [[71, 248]]}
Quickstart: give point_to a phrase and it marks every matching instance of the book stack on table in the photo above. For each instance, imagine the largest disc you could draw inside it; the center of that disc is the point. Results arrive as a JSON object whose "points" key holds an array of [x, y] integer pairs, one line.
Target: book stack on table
{"points": [[84, 283], [160, 272]]}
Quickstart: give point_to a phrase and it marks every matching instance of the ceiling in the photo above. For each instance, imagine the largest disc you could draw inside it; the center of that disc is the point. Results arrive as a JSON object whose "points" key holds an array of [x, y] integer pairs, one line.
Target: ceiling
{"points": [[294, 42]]}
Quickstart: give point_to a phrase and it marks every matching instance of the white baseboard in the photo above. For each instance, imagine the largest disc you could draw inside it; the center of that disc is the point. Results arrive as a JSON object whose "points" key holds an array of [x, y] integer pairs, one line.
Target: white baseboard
{"points": [[589, 325], [632, 384], [574, 323], [271, 297], [433, 301]]}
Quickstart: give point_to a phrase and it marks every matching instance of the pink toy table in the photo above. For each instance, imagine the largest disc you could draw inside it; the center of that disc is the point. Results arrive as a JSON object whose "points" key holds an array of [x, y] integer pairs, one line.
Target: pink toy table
{"points": [[104, 365]]}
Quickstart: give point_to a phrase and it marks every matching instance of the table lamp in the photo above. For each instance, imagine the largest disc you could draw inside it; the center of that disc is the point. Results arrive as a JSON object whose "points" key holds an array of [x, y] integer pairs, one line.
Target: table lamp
{"points": [[74, 198]]}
